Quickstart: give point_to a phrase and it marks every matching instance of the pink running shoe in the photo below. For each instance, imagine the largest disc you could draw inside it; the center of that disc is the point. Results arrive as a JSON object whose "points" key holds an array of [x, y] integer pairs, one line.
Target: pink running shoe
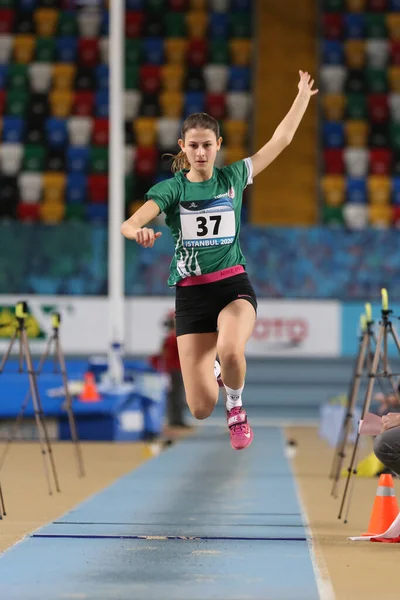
{"points": [[240, 432]]}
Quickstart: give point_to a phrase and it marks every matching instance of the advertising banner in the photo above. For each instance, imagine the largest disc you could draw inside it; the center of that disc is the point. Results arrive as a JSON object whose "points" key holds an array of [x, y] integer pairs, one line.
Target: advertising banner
{"points": [[350, 320]]}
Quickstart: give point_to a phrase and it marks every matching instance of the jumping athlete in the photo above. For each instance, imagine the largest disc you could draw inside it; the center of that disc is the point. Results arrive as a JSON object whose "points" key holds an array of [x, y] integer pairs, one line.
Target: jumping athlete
{"points": [[215, 302]]}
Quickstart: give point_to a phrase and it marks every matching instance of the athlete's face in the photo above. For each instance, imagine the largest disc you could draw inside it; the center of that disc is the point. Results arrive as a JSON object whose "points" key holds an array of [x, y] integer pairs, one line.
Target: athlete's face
{"points": [[201, 147]]}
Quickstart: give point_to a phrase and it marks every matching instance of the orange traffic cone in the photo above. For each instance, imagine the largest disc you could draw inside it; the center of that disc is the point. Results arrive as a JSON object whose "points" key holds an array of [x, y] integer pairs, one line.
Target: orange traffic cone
{"points": [[89, 392], [385, 508]]}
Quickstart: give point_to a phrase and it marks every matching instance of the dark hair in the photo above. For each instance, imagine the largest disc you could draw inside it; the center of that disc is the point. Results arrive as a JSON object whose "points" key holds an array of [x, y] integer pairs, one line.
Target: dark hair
{"points": [[194, 121]]}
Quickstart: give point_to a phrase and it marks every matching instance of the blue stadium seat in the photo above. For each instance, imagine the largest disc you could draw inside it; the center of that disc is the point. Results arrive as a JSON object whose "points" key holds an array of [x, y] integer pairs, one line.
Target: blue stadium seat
{"points": [[153, 50], [78, 159], [102, 76], [13, 129], [332, 52], [239, 79], [241, 5], [396, 190], [102, 103], [56, 131], [356, 190], [27, 4], [76, 188], [134, 4], [194, 103], [105, 23], [395, 5], [96, 212], [218, 26], [3, 76], [66, 49], [333, 134], [354, 26]]}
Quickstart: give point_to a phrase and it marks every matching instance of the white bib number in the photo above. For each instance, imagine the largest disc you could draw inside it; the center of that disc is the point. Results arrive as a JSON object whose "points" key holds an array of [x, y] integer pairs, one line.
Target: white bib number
{"points": [[203, 229]]}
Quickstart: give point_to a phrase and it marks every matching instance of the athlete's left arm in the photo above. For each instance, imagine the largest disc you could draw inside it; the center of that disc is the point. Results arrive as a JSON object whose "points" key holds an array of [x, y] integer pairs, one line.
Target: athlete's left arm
{"points": [[285, 131]]}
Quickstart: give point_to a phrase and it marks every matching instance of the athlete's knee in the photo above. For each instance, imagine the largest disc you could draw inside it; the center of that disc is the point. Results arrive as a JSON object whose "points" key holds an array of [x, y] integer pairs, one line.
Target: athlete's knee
{"points": [[201, 412], [230, 356]]}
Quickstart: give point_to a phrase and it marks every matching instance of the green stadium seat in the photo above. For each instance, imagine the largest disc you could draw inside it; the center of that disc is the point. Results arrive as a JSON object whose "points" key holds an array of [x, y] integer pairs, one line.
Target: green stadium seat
{"points": [[133, 51], [67, 24], [377, 80], [375, 25], [34, 158], [219, 52], [356, 107], [333, 215], [17, 102], [240, 25], [131, 77], [395, 135], [17, 77], [175, 24], [99, 159], [156, 5], [333, 5], [45, 49], [75, 212]]}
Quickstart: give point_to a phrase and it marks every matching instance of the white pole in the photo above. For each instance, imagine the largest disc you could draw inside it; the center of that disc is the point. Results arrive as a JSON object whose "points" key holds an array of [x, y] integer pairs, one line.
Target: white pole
{"points": [[116, 254]]}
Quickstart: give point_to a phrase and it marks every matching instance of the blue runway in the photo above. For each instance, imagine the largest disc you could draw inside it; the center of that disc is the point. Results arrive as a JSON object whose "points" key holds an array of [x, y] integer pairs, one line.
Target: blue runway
{"points": [[198, 522]]}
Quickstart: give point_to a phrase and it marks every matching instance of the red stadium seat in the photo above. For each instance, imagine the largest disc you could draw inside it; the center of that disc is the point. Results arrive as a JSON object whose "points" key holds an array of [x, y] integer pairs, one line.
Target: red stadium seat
{"points": [[98, 188], [334, 161], [150, 79], [197, 52], [134, 21], [6, 20], [216, 105], [380, 161], [84, 104], [88, 52], [100, 134], [28, 212], [395, 52], [332, 24], [377, 5], [378, 108], [146, 161], [2, 101]]}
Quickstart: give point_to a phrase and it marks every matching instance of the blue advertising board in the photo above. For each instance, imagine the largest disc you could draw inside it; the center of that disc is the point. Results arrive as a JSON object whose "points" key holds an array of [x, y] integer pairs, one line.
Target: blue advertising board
{"points": [[351, 313]]}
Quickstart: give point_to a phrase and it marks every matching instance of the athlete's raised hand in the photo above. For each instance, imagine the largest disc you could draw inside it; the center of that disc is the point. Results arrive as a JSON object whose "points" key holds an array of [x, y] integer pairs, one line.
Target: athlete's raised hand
{"points": [[306, 84], [146, 237]]}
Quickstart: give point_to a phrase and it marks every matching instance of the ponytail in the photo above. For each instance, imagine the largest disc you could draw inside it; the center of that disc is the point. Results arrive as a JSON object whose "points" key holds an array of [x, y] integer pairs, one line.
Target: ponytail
{"points": [[179, 161]]}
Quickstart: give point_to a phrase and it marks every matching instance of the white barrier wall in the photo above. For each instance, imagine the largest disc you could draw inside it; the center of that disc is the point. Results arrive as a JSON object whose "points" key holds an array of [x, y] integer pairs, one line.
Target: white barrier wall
{"points": [[283, 327]]}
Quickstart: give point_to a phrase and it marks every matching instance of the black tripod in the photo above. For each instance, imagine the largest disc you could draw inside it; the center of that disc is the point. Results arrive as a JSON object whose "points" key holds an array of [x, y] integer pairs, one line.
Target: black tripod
{"points": [[2, 505], [58, 361], [21, 313], [385, 329]]}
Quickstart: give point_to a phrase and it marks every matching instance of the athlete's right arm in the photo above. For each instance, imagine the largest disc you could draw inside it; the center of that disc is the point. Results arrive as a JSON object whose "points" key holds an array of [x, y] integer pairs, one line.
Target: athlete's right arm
{"points": [[134, 227]]}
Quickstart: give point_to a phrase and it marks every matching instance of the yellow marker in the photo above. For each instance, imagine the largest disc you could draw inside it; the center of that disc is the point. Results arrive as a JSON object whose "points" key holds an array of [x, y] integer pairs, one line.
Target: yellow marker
{"points": [[55, 320], [385, 299], [363, 323], [368, 311], [21, 310]]}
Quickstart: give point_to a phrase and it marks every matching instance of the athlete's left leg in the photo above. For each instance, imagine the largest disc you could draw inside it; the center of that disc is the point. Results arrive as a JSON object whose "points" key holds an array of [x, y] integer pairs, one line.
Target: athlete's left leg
{"points": [[235, 325]]}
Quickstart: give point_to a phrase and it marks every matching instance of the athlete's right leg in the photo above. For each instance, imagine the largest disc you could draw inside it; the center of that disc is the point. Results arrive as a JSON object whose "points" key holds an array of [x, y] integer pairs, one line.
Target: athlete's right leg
{"points": [[197, 352]]}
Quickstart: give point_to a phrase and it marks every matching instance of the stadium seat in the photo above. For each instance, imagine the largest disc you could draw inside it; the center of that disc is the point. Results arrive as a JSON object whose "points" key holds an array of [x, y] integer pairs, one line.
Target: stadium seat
{"points": [[333, 189], [80, 130], [17, 103], [150, 79], [355, 54], [240, 52], [129, 159], [378, 5], [175, 50], [134, 22], [332, 52], [6, 45], [76, 188], [375, 25], [51, 212], [30, 187], [333, 160], [133, 51], [378, 108], [378, 135], [380, 216], [240, 24], [88, 52], [146, 161], [89, 23], [333, 78], [235, 132], [172, 76], [355, 5], [396, 191], [239, 79], [153, 50], [7, 17], [34, 157], [10, 158], [61, 102], [218, 26], [216, 78], [66, 49], [377, 53], [393, 25], [333, 216], [394, 104], [17, 77], [238, 105], [13, 129], [102, 103], [356, 190], [333, 134], [54, 187], [394, 78], [28, 213], [356, 106], [67, 23], [379, 189], [171, 104], [356, 81], [356, 133], [197, 53], [332, 26], [132, 100], [55, 160], [194, 102], [175, 25], [219, 5], [356, 161], [24, 47], [85, 78], [98, 188], [380, 161], [84, 102], [354, 26], [63, 76], [40, 75], [56, 131], [168, 131], [145, 129], [35, 130], [100, 133], [334, 106], [78, 159], [46, 21], [395, 135], [216, 106], [355, 216], [154, 25]]}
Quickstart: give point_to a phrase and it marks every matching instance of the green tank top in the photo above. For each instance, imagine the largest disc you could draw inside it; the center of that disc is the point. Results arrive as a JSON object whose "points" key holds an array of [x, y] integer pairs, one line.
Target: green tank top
{"points": [[204, 219]]}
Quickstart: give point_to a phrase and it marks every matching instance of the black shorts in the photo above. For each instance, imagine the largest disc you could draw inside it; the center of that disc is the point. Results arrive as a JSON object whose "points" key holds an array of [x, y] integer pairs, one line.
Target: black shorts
{"points": [[197, 306]]}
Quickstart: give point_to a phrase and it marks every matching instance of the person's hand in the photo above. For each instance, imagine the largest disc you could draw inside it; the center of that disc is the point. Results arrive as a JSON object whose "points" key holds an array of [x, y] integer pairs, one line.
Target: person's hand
{"points": [[390, 420], [146, 237], [305, 85]]}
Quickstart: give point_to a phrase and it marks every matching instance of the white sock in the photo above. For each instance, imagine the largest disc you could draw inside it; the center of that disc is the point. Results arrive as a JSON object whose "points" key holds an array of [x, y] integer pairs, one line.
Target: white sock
{"points": [[233, 397]]}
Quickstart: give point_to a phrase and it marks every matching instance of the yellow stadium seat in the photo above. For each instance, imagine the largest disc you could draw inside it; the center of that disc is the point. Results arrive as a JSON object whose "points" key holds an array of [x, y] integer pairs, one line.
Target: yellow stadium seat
{"points": [[198, 4], [235, 132], [24, 46], [393, 25], [333, 189], [175, 50], [240, 52], [334, 106], [145, 129], [379, 189], [197, 23], [356, 5], [380, 215], [61, 102], [394, 79], [53, 187], [355, 54], [234, 153], [171, 104], [357, 133], [46, 21], [63, 76], [172, 77], [51, 212]]}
